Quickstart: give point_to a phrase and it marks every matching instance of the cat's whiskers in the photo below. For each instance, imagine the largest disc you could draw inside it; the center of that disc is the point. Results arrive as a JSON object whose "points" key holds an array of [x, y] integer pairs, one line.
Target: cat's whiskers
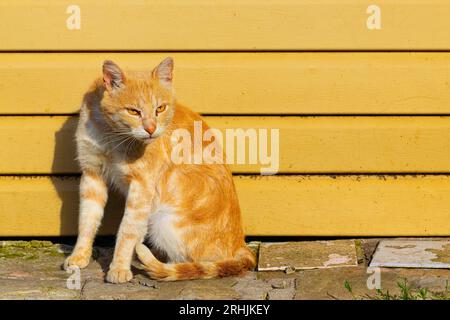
{"points": [[113, 137], [130, 145], [125, 140]]}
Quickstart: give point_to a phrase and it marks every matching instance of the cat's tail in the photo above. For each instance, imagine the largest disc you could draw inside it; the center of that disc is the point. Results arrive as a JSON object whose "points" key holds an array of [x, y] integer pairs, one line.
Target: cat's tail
{"points": [[243, 260]]}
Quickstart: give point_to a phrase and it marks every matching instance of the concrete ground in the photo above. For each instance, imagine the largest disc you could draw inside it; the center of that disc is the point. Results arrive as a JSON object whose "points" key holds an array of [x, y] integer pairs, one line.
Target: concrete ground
{"points": [[32, 270]]}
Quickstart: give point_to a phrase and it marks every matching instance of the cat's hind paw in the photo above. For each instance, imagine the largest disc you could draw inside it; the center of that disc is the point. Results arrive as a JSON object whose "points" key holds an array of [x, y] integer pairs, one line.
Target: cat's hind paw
{"points": [[119, 275]]}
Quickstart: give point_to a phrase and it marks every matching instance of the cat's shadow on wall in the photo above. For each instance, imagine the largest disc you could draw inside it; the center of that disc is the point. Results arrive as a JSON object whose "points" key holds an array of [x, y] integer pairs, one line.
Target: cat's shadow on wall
{"points": [[65, 179]]}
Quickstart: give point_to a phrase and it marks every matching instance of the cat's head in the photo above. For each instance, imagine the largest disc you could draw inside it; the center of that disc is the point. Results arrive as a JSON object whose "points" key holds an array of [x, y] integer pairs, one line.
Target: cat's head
{"points": [[138, 105]]}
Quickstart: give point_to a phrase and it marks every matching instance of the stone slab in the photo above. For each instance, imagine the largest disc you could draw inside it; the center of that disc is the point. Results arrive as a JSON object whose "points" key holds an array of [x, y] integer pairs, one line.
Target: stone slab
{"points": [[307, 255], [412, 254], [319, 284]]}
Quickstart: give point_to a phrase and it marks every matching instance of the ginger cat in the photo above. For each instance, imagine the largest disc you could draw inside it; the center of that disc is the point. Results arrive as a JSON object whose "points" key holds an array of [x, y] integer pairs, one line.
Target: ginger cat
{"points": [[188, 212]]}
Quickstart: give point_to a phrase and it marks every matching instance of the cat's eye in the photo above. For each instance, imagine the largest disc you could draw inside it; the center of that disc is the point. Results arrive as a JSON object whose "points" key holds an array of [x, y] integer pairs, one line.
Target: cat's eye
{"points": [[161, 108], [134, 112]]}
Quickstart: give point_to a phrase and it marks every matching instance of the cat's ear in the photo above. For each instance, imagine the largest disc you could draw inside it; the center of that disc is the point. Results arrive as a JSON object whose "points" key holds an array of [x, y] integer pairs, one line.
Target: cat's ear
{"points": [[113, 76], [163, 72]]}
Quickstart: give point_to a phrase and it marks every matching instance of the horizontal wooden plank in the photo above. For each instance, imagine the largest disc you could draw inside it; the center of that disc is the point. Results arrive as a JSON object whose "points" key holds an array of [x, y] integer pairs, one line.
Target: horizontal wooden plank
{"points": [[243, 83], [278, 205], [223, 25], [43, 145]]}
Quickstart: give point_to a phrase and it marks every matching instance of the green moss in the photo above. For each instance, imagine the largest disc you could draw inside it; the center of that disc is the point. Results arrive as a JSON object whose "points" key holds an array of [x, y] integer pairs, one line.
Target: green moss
{"points": [[28, 250], [40, 244], [54, 253], [16, 244], [442, 255], [11, 255], [359, 251], [31, 257], [26, 244], [11, 252]]}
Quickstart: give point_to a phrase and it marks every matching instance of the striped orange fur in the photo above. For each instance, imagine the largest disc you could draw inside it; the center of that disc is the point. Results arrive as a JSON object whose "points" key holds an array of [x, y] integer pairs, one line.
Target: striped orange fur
{"points": [[243, 260], [188, 212]]}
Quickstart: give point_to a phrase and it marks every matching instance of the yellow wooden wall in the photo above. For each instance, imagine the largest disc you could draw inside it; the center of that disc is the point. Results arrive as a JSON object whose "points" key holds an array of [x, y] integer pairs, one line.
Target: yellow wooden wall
{"points": [[364, 115]]}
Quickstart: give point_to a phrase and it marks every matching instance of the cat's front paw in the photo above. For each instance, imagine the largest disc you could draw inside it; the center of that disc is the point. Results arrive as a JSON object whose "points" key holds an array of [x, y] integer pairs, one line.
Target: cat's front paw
{"points": [[119, 275], [76, 260]]}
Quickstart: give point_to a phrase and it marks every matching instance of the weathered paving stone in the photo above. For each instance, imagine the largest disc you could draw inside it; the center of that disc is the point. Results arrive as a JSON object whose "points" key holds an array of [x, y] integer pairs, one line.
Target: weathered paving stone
{"points": [[330, 283], [99, 290], [213, 289], [281, 294], [307, 255], [368, 247], [36, 289], [281, 283], [412, 254], [250, 287], [145, 281]]}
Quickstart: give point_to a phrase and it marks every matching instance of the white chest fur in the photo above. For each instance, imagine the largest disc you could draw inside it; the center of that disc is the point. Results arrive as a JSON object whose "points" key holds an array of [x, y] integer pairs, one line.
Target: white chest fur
{"points": [[163, 234]]}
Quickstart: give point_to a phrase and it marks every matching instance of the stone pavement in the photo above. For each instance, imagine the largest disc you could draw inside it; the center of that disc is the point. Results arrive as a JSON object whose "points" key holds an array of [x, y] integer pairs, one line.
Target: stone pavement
{"points": [[32, 270]]}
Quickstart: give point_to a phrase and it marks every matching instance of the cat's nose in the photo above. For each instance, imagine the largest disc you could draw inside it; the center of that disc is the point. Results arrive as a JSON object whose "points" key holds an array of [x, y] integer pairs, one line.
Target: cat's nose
{"points": [[150, 129], [149, 126]]}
